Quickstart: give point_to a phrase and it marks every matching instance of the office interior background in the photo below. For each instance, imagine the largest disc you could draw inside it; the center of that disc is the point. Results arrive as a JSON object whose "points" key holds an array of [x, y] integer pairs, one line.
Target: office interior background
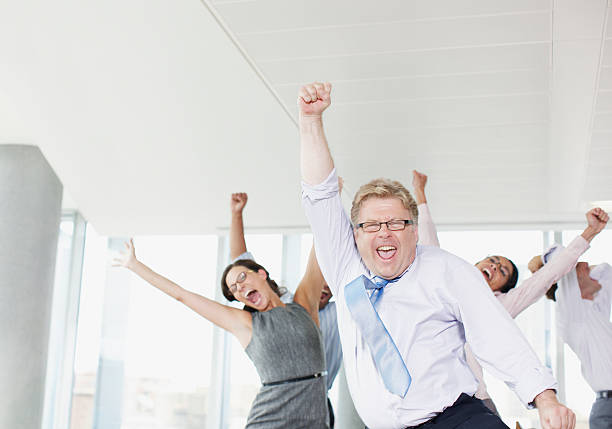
{"points": [[134, 118]]}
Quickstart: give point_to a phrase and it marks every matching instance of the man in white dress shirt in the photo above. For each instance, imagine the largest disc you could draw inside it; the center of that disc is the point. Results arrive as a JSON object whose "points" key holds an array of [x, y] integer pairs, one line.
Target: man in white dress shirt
{"points": [[427, 301], [583, 298]]}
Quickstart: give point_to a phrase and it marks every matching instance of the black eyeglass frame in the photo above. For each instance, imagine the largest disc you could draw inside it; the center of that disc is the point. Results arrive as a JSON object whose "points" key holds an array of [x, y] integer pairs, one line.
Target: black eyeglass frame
{"points": [[380, 224]]}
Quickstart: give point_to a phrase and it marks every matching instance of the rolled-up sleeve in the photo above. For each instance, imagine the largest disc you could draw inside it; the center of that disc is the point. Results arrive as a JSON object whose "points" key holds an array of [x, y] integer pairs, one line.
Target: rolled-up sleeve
{"points": [[333, 234]]}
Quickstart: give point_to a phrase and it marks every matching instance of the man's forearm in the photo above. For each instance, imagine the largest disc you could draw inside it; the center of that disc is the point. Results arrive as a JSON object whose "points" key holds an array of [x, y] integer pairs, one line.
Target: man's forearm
{"points": [[316, 160], [589, 233]]}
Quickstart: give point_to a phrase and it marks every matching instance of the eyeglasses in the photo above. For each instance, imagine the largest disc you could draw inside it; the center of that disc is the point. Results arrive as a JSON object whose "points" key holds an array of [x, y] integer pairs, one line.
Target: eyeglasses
{"points": [[239, 279], [392, 225]]}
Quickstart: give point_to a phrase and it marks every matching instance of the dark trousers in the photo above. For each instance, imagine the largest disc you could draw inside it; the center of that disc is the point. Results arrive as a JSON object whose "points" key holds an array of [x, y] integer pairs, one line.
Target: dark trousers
{"points": [[601, 414], [466, 413]]}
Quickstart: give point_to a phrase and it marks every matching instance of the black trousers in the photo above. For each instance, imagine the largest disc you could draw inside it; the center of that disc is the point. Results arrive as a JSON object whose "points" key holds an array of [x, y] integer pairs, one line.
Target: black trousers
{"points": [[466, 413]]}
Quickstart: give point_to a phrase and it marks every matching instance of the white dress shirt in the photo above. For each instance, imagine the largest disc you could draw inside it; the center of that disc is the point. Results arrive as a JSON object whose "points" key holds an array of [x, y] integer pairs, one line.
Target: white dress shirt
{"points": [[516, 299], [430, 312], [585, 324]]}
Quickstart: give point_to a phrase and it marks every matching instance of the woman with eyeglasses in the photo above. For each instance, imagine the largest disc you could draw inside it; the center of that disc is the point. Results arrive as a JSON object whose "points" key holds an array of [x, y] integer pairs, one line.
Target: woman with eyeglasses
{"points": [[282, 340], [501, 274]]}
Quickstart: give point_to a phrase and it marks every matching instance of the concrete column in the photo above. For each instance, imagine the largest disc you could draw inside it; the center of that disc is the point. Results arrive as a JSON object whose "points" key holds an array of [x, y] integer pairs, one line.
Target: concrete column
{"points": [[30, 211]]}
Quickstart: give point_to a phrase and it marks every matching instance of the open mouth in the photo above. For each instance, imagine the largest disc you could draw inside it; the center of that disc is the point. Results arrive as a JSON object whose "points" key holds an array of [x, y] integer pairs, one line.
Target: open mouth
{"points": [[487, 274], [386, 251], [252, 296]]}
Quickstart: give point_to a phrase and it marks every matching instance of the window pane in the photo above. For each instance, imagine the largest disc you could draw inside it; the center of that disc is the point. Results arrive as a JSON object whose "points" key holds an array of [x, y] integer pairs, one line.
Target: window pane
{"points": [[88, 330], [168, 346]]}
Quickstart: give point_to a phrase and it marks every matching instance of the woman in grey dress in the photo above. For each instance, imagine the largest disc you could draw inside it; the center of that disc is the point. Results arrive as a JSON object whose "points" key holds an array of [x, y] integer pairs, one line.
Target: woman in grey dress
{"points": [[282, 340]]}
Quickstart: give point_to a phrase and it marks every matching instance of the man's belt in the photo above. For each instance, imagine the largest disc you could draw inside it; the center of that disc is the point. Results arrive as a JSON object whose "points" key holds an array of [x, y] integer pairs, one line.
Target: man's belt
{"points": [[602, 394]]}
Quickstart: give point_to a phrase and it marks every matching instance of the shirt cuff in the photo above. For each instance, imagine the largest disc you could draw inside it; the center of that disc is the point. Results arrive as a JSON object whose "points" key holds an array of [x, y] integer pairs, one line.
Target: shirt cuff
{"points": [[324, 190], [243, 256], [533, 382]]}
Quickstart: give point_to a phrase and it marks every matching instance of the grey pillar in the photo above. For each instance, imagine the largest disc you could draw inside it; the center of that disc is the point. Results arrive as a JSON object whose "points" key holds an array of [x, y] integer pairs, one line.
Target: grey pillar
{"points": [[30, 211]]}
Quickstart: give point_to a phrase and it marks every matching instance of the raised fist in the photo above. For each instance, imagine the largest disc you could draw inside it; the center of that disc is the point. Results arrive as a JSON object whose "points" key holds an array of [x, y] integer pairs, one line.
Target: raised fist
{"points": [[238, 201], [535, 263], [597, 219], [419, 180], [314, 98]]}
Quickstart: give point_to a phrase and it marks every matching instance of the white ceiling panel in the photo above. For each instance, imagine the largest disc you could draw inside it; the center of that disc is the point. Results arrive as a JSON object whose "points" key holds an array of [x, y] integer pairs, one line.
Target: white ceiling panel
{"points": [[602, 122], [607, 53], [407, 64], [158, 110], [398, 36], [574, 19], [601, 140], [484, 111], [604, 101], [605, 79], [429, 145], [275, 15], [437, 86], [152, 125]]}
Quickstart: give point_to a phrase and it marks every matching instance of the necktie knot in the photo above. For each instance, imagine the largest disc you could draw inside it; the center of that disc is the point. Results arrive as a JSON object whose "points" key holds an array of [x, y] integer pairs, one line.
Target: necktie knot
{"points": [[380, 282]]}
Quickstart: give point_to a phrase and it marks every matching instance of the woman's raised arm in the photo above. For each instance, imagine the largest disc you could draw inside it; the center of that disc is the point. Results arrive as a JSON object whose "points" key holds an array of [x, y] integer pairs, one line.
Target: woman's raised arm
{"points": [[238, 322]]}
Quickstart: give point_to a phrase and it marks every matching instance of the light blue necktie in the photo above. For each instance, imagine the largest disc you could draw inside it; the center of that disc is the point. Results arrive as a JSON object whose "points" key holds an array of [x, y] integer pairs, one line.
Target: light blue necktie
{"points": [[386, 356]]}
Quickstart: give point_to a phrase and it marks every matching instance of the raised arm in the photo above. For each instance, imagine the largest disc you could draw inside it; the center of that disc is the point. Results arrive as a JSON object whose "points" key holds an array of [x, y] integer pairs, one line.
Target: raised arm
{"points": [[316, 160], [427, 229], [532, 289], [237, 243], [308, 292], [238, 322]]}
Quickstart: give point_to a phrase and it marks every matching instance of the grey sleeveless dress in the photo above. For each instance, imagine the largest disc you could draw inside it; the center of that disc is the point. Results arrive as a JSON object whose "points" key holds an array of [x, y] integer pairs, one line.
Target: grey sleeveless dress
{"points": [[287, 344]]}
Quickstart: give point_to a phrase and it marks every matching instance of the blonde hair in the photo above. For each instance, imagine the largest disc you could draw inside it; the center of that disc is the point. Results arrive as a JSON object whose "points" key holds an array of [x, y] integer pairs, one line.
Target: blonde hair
{"points": [[383, 188]]}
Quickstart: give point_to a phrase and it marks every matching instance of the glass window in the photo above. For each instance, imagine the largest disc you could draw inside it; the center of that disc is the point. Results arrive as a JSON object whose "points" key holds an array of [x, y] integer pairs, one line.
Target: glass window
{"points": [[167, 357], [88, 330]]}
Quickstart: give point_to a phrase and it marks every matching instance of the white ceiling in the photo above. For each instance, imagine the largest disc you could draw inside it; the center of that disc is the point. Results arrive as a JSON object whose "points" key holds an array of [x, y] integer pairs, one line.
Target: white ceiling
{"points": [[152, 113]]}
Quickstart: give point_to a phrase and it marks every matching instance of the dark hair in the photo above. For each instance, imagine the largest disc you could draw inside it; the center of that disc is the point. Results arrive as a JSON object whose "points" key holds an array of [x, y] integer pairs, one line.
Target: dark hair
{"points": [[512, 280], [551, 292], [253, 266]]}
